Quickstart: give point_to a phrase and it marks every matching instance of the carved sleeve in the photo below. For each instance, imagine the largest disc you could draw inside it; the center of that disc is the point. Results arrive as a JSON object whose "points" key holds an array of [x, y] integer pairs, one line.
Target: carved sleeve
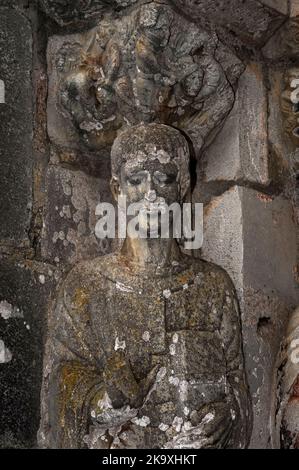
{"points": [[236, 376], [72, 371]]}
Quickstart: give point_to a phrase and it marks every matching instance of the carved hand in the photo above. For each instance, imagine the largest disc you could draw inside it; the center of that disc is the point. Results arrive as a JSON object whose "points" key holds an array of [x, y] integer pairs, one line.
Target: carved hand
{"points": [[211, 428], [121, 385]]}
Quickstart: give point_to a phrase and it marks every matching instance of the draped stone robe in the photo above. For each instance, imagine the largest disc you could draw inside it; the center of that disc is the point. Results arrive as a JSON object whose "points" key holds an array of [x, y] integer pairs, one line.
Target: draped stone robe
{"points": [[183, 328]]}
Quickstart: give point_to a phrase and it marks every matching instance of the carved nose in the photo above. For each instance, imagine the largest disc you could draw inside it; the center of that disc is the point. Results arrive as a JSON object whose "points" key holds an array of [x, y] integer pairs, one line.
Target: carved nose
{"points": [[151, 196]]}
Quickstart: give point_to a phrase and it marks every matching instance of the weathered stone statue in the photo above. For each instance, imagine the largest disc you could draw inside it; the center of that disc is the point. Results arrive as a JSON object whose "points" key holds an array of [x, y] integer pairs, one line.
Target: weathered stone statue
{"points": [[145, 347]]}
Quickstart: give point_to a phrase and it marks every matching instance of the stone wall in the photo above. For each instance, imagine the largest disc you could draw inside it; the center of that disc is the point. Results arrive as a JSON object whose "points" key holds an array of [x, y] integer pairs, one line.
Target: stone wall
{"points": [[49, 190]]}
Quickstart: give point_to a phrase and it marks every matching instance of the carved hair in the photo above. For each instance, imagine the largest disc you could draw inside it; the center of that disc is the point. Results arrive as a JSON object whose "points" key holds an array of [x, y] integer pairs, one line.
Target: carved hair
{"points": [[153, 142]]}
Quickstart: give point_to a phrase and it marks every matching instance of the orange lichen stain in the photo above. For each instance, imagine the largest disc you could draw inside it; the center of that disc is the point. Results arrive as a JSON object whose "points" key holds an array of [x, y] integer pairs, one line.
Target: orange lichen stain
{"points": [[70, 376], [264, 197], [80, 298], [184, 278]]}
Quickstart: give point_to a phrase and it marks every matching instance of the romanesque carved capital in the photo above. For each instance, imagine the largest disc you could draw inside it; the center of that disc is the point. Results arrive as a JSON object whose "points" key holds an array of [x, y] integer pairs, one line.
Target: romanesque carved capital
{"points": [[150, 64]]}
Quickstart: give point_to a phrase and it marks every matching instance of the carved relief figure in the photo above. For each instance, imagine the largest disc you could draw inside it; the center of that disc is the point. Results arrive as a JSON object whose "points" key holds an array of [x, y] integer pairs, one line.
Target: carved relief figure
{"points": [[287, 405], [145, 346], [147, 63]]}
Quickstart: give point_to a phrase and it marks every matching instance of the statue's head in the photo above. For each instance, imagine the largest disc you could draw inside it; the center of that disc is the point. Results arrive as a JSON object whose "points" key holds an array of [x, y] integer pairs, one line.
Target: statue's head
{"points": [[151, 163]]}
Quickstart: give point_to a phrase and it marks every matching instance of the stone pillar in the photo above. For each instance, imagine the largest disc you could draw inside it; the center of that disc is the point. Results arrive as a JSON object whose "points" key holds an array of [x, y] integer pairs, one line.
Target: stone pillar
{"points": [[248, 182]]}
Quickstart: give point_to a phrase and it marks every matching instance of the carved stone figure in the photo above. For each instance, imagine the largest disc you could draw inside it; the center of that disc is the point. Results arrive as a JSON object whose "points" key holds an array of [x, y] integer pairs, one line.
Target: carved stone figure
{"points": [[147, 63], [144, 346], [287, 403]]}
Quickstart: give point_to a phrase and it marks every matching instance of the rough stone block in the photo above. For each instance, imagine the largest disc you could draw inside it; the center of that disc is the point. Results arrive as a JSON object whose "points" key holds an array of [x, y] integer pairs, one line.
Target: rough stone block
{"points": [[70, 220], [253, 237], [284, 43], [240, 151], [294, 8], [24, 290], [279, 5], [250, 19], [16, 126]]}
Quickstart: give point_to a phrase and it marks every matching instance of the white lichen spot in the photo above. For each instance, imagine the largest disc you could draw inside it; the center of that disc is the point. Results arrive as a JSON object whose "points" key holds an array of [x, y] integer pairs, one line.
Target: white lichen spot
{"points": [[142, 422], [8, 311], [163, 427], [93, 414], [177, 423], [146, 336], [208, 418], [167, 293], [233, 414], [5, 354], [175, 338], [174, 381], [42, 278], [65, 212], [27, 326], [186, 411], [123, 287], [185, 286], [141, 157], [187, 426], [162, 156], [172, 349], [161, 374], [119, 345], [183, 390], [237, 380]]}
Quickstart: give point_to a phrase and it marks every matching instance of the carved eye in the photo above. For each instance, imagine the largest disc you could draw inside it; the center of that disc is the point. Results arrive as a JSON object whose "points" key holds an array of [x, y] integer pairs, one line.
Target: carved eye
{"points": [[135, 180], [163, 179]]}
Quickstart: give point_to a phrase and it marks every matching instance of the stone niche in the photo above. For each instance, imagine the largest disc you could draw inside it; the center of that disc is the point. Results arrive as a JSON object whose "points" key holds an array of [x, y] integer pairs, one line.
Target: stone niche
{"points": [[237, 112]]}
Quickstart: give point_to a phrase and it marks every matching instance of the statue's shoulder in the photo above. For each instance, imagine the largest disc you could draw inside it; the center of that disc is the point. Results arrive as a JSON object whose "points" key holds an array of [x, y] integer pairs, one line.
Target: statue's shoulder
{"points": [[86, 278], [213, 274]]}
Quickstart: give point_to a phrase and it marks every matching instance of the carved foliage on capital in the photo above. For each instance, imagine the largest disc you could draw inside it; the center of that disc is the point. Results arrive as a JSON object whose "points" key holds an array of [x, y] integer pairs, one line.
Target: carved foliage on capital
{"points": [[150, 64]]}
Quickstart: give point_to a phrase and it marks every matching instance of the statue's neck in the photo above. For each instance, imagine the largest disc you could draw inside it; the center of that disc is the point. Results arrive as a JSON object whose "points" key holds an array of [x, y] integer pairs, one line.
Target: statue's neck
{"points": [[152, 254]]}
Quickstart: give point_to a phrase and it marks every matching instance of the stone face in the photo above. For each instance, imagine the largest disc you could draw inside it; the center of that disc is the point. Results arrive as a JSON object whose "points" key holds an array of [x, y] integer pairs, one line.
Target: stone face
{"points": [[24, 292], [16, 127], [253, 237], [240, 151], [70, 220]]}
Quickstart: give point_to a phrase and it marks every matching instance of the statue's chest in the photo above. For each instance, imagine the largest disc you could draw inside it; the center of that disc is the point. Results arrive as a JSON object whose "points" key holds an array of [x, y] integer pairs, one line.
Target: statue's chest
{"points": [[142, 320]]}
